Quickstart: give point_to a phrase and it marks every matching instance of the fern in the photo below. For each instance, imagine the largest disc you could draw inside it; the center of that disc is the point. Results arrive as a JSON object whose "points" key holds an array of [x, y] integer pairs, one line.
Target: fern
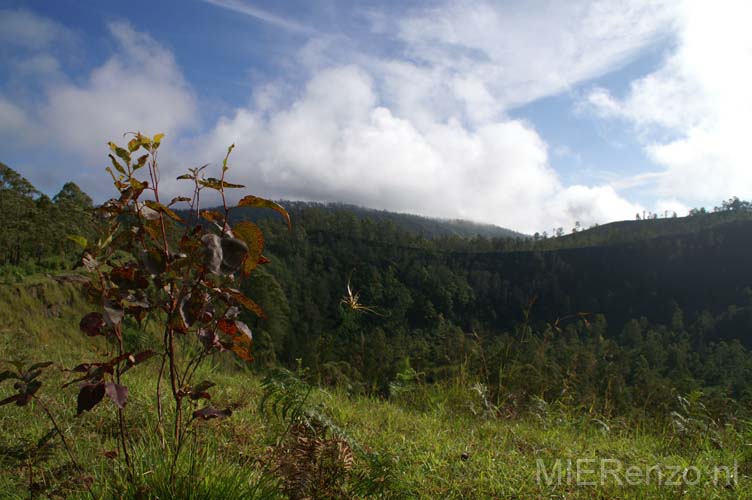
{"points": [[314, 456]]}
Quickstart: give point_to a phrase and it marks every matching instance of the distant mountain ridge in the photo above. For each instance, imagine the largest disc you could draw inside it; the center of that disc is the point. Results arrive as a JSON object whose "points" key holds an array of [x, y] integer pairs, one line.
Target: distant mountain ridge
{"points": [[634, 231], [428, 227]]}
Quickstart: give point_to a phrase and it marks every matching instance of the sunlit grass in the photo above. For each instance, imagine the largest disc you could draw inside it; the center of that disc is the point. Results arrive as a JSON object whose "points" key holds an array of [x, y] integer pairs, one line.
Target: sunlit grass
{"points": [[431, 443]]}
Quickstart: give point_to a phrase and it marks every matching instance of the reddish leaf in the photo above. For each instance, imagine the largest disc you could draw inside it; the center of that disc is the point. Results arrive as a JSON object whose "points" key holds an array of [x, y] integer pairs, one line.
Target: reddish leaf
{"points": [[142, 356], [244, 330], [117, 393], [128, 276], [89, 396], [254, 240], [113, 313], [161, 208], [246, 302], [234, 251], [11, 399], [209, 340], [138, 358], [228, 327], [242, 339], [37, 366], [254, 201], [199, 391], [191, 306], [7, 374], [212, 253], [92, 324], [211, 412], [212, 216]]}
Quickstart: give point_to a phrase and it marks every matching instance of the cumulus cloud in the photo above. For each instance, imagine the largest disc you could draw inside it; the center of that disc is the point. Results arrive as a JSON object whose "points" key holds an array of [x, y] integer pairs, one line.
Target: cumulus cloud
{"points": [[15, 126], [139, 85], [427, 131], [692, 113], [344, 146], [423, 128], [24, 29]]}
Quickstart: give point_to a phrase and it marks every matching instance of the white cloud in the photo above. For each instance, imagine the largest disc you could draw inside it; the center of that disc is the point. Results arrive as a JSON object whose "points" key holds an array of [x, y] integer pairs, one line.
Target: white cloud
{"points": [[520, 54], [260, 14], [424, 129], [666, 208], [590, 205], [15, 125], [24, 29], [693, 112], [139, 86], [427, 130], [345, 146]]}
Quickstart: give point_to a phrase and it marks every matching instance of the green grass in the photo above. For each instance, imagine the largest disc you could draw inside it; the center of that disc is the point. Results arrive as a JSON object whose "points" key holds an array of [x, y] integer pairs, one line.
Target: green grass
{"points": [[431, 443]]}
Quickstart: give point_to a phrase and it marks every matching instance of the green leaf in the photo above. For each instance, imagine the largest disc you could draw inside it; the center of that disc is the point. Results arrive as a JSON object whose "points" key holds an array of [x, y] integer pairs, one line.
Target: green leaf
{"points": [[214, 183], [79, 240], [116, 164], [141, 161], [123, 154], [112, 174], [255, 201], [157, 140], [224, 163], [179, 199], [134, 144]]}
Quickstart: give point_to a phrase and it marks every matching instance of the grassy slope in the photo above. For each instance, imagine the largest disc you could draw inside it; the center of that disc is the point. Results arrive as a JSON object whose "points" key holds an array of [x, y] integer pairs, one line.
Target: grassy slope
{"points": [[445, 451], [632, 231]]}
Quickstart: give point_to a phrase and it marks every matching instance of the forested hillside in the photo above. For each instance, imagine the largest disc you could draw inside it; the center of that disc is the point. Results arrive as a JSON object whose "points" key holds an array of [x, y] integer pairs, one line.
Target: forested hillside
{"points": [[35, 227], [668, 300], [393, 327], [674, 310]]}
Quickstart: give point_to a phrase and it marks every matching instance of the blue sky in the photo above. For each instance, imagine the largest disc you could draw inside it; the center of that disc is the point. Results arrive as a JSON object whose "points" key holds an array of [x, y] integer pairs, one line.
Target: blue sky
{"points": [[530, 115]]}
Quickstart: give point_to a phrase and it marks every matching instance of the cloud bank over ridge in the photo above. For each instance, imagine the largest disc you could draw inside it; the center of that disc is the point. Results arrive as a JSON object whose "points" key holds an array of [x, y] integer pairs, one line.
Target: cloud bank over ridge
{"points": [[424, 127]]}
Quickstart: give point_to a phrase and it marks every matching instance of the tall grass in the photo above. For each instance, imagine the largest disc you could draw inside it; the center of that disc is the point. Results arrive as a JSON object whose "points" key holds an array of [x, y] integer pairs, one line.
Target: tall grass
{"points": [[428, 441]]}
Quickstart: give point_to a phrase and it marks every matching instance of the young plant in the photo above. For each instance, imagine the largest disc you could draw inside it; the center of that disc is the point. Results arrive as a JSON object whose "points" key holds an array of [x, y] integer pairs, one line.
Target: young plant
{"points": [[178, 272], [26, 387]]}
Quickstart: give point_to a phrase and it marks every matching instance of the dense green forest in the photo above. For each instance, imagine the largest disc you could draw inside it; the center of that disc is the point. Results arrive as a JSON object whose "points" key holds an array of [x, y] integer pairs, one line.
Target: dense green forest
{"points": [[622, 327], [620, 317], [34, 227], [627, 341]]}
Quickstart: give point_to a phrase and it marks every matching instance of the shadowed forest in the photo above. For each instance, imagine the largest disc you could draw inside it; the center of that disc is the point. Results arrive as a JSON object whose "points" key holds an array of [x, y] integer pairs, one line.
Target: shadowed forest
{"points": [[391, 355]]}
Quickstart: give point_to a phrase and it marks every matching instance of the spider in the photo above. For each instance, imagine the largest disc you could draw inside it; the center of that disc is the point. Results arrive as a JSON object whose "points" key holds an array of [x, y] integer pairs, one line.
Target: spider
{"points": [[352, 300], [580, 315]]}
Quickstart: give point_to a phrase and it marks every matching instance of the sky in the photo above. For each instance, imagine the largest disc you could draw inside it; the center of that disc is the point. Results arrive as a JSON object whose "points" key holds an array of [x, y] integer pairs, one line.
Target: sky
{"points": [[531, 115]]}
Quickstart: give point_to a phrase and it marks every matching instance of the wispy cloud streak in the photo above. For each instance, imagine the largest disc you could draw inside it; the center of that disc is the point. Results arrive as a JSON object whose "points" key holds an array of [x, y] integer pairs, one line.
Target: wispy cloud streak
{"points": [[261, 15]]}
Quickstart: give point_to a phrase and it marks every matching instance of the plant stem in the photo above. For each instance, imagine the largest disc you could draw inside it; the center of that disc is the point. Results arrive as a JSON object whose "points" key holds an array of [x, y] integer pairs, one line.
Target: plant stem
{"points": [[160, 417]]}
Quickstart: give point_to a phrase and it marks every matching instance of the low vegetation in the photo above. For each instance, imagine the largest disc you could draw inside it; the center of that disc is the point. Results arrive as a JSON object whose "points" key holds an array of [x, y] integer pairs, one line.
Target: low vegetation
{"points": [[425, 441], [382, 364]]}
